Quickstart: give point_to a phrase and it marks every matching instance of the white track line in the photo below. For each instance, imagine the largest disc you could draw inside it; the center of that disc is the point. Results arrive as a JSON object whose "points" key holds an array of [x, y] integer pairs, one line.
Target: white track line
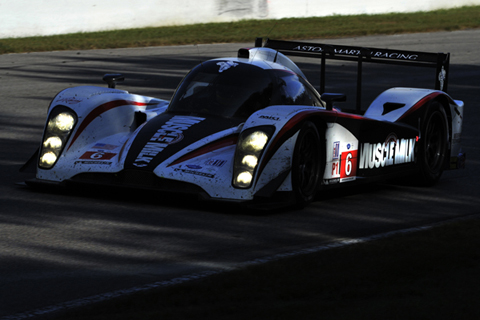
{"points": [[195, 276]]}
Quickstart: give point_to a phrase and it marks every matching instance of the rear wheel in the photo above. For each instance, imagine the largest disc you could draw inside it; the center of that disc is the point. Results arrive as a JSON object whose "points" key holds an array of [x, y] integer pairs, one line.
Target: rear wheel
{"points": [[308, 164], [433, 144]]}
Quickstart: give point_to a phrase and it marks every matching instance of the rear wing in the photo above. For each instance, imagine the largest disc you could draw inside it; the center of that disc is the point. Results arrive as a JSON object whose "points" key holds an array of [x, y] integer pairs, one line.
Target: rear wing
{"points": [[438, 61]]}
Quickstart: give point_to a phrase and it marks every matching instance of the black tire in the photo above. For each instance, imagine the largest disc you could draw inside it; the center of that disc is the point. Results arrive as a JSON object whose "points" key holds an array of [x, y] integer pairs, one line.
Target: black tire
{"points": [[308, 164], [433, 145]]}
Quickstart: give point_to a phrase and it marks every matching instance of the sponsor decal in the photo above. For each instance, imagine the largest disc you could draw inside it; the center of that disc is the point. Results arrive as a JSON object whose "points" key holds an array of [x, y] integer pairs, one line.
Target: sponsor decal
{"points": [[225, 65], [215, 162], [270, 118], [104, 146], [171, 132], [96, 155], [193, 166], [336, 150], [355, 52], [331, 181], [345, 169], [343, 166], [108, 163], [391, 152], [70, 100], [197, 173]]}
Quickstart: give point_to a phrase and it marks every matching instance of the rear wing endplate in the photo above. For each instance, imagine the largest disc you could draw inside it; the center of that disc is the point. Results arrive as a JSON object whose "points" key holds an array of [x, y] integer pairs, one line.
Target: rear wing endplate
{"points": [[438, 61]]}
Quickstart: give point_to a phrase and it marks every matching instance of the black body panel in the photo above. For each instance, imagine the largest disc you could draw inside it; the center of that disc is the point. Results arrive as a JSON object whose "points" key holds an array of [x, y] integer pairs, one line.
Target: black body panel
{"points": [[167, 134]]}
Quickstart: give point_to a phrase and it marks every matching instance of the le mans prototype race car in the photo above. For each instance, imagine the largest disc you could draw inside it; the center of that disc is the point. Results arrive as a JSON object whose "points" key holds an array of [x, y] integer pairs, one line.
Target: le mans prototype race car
{"points": [[251, 128]]}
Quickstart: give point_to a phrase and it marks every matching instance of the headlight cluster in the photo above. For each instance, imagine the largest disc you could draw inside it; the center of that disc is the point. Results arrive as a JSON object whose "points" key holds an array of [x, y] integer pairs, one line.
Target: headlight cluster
{"points": [[250, 147], [59, 127]]}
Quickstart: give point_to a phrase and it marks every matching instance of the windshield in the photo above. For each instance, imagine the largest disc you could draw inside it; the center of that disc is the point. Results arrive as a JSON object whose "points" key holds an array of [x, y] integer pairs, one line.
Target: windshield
{"points": [[223, 88], [236, 90], [294, 90]]}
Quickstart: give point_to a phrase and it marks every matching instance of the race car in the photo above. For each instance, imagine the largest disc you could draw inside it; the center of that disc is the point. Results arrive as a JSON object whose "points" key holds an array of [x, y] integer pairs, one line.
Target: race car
{"points": [[252, 129]]}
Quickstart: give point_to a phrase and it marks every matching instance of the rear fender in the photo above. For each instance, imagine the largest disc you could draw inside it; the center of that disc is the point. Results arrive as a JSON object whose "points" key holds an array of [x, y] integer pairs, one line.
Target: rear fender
{"points": [[396, 104], [401, 104]]}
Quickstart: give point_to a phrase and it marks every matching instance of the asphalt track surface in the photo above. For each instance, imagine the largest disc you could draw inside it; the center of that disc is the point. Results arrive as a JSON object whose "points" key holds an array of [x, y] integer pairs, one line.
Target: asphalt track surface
{"points": [[60, 246]]}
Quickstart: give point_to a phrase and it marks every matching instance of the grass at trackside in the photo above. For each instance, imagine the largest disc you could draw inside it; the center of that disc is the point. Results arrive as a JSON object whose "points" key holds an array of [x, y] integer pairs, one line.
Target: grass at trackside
{"points": [[433, 274], [247, 31]]}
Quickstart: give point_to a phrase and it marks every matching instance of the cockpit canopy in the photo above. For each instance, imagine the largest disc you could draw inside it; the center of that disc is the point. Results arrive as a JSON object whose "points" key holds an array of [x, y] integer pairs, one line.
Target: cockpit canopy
{"points": [[235, 89]]}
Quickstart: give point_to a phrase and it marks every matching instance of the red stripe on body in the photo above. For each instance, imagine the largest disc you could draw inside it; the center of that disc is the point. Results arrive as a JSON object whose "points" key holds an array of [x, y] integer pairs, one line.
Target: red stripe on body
{"points": [[420, 104], [98, 111], [225, 142]]}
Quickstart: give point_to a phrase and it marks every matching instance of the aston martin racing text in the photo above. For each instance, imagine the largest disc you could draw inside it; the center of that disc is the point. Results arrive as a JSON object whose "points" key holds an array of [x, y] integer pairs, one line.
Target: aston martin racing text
{"points": [[356, 52]]}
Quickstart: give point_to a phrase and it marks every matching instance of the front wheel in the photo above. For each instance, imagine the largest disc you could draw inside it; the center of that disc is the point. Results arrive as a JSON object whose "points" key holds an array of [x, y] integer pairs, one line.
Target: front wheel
{"points": [[308, 164], [433, 145]]}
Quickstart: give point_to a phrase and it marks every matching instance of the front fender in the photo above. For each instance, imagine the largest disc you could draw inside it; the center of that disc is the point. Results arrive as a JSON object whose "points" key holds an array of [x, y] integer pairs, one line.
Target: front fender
{"points": [[105, 117], [276, 162]]}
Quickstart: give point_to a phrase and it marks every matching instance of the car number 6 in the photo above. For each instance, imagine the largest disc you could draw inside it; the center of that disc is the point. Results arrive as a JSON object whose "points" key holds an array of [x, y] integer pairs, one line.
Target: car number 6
{"points": [[348, 164], [97, 155]]}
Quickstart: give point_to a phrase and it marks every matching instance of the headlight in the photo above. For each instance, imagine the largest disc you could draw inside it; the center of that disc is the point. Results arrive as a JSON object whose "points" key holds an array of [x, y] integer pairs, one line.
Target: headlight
{"points": [[57, 131], [255, 141], [48, 158], [250, 161], [244, 179], [63, 122], [53, 143], [250, 147]]}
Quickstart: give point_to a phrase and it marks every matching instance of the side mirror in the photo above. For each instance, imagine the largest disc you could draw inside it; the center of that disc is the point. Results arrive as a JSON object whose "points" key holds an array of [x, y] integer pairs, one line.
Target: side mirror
{"points": [[112, 79], [330, 98]]}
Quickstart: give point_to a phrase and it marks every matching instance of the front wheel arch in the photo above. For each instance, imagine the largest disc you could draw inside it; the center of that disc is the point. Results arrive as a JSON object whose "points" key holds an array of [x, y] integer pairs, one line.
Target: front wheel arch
{"points": [[308, 163]]}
